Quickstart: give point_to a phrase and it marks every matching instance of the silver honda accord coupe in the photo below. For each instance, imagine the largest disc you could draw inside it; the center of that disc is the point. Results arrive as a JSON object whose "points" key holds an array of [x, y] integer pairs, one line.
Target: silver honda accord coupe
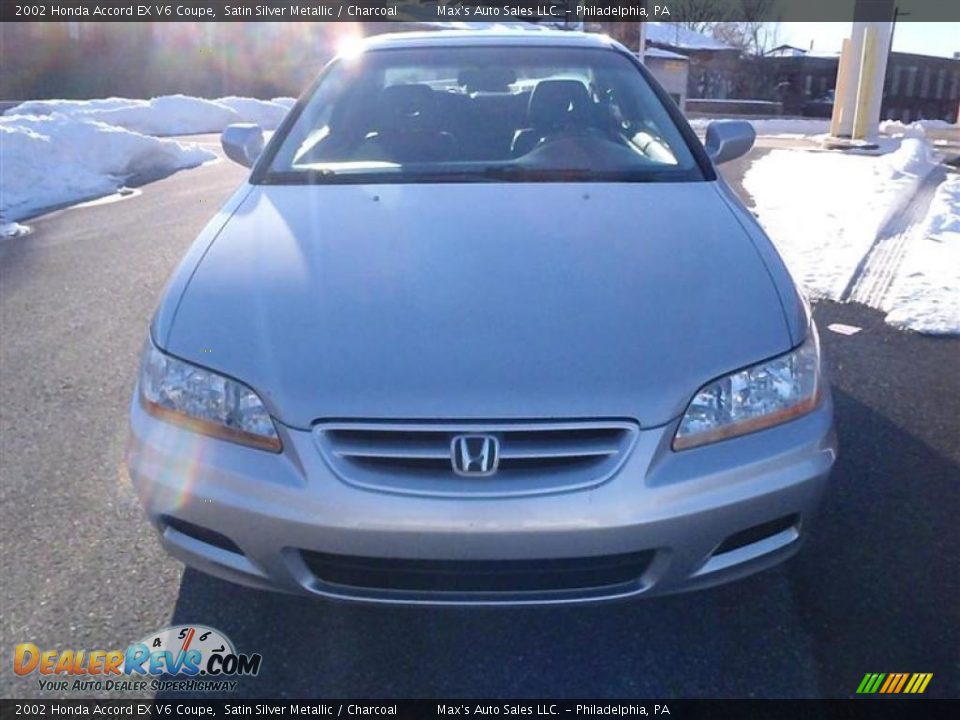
{"points": [[483, 325]]}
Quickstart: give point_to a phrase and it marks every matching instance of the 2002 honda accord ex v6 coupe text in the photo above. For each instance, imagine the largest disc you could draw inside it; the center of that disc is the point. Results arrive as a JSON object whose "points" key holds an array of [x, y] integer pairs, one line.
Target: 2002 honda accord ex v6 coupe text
{"points": [[483, 326]]}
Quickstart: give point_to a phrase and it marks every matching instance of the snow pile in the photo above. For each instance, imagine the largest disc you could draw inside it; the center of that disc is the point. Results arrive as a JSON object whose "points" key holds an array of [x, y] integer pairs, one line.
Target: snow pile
{"points": [[265, 113], [823, 210], [166, 115], [916, 129], [925, 295], [68, 107], [12, 229], [169, 115], [52, 160], [781, 126], [57, 152]]}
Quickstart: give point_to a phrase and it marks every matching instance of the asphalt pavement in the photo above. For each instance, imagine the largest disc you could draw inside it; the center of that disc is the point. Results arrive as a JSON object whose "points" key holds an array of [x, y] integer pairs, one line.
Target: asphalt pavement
{"points": [[874, 590]]}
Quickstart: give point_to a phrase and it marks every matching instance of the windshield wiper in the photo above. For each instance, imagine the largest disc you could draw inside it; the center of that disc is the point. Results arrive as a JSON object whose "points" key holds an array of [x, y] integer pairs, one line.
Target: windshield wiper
{"points": [[305, 176], [521, 173], [484, 174]]}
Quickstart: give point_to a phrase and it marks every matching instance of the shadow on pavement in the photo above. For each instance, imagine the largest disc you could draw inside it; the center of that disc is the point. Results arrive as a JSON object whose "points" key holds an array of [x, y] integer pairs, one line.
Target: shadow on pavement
{"points": [[731, 641], [874, 590], [874, 583]]}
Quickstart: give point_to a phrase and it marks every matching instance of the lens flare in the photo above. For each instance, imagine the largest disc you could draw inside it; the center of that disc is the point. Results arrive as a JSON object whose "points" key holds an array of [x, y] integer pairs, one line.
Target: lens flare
{"points": [[350, 47]]}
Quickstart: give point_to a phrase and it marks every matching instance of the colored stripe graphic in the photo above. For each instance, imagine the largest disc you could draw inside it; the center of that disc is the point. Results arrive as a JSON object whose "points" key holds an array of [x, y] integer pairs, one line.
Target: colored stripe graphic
{"points": [[894, 683], [869, 680], [892, 679], [918, 683]]}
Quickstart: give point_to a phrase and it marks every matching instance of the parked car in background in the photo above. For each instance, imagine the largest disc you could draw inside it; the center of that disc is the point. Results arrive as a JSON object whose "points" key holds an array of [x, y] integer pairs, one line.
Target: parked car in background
{"points": [[821, 106], [483, 326]]}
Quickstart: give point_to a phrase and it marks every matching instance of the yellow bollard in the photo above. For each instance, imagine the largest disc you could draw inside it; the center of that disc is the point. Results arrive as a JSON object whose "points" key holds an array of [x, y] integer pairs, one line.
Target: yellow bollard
{"points": [[861, 118], [843, 77]]}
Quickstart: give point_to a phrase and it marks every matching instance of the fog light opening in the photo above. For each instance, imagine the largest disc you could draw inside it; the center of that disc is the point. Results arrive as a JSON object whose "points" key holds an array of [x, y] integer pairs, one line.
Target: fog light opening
{"points": [[201, 534], [757, 533]]}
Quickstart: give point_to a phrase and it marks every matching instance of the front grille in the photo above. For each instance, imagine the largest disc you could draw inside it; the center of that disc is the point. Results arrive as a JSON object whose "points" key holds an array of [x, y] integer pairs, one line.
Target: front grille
{"points": [[533, 458], [477, 576]]}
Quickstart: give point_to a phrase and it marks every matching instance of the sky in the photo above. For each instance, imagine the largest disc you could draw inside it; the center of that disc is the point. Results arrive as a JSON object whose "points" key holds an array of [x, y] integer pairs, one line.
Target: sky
{"points": [[925, 38]]}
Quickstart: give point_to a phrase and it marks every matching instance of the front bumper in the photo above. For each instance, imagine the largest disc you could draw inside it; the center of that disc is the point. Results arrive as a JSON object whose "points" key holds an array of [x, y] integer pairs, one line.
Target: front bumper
{"points": [[677, 521]]}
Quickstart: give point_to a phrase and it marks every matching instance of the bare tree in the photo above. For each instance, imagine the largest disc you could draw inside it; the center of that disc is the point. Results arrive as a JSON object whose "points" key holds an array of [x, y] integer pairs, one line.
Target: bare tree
{"points": [[756, 31], [761, 28], [698, 15]]}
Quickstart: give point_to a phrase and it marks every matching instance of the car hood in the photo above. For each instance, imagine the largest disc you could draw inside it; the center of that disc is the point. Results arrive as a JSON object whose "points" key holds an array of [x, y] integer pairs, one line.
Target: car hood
{"points": [[479, 301]]}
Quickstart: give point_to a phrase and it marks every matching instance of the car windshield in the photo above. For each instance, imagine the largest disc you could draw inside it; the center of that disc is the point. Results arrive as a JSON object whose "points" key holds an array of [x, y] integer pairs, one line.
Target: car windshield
{"points": [[492, 113]]}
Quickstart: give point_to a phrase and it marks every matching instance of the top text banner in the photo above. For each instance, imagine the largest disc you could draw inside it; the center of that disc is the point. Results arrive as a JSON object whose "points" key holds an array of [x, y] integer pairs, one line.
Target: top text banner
{"points": [[557, 12]]}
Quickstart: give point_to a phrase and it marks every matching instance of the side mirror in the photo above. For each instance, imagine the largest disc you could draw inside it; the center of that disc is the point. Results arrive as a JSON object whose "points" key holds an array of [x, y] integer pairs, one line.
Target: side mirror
{"points": [[242, 142], [729, 139]]}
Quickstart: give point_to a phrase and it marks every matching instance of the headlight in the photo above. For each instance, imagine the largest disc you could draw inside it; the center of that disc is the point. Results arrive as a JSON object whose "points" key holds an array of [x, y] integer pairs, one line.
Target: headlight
{"points": [[205, 402], [766, 394]]}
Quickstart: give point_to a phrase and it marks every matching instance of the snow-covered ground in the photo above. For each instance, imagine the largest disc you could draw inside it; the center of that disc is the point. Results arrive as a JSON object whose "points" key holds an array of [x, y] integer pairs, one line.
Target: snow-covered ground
{"points": [[780, 126], [925, 296], [166, 115], [796, 127], [52, 160], [823, 210]]}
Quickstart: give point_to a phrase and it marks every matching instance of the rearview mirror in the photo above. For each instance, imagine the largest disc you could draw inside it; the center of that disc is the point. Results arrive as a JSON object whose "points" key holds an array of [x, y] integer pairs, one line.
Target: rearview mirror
{"points": [[242, 142], [729, 139]]}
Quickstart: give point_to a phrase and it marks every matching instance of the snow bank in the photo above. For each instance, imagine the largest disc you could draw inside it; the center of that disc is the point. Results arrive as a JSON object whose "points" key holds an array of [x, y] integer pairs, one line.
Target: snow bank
{"points": [[12, 229], [925, 295], [823, 209], [166, 115], [791, 127], [58, 159], [287, 102], [917, 129], [68, 107], [266, 113]]}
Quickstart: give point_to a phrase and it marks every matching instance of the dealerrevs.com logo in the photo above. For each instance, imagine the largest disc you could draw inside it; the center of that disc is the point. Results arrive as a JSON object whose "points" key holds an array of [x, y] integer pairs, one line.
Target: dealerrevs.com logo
{"points": [[182, 657]]}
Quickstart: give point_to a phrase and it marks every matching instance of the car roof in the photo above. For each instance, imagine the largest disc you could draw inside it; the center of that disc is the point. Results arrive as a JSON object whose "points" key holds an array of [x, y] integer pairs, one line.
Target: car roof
{"points": [[537, 36]]}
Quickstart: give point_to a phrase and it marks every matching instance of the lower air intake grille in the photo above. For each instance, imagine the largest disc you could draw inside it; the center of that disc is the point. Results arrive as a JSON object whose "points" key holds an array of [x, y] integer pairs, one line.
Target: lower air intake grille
{"points": [[532, 458], [477, 576]]}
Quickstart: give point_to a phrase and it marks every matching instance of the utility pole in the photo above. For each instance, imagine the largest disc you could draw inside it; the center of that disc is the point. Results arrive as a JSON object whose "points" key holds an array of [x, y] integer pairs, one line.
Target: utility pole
{"points": [[642, 36], [862, 70], [897, 14]]}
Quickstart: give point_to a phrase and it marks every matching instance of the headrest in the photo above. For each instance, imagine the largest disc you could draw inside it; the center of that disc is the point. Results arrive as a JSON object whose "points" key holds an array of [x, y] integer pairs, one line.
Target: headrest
{"points": [[406, 103], [559, 102]]}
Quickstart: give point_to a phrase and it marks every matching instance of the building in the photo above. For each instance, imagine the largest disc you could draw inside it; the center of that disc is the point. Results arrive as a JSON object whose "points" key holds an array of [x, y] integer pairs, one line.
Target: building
{"points": [[786, 51], [916, 86], [671, 70], [921, 86], [714, 67], [709, 66], [802, 81]]}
